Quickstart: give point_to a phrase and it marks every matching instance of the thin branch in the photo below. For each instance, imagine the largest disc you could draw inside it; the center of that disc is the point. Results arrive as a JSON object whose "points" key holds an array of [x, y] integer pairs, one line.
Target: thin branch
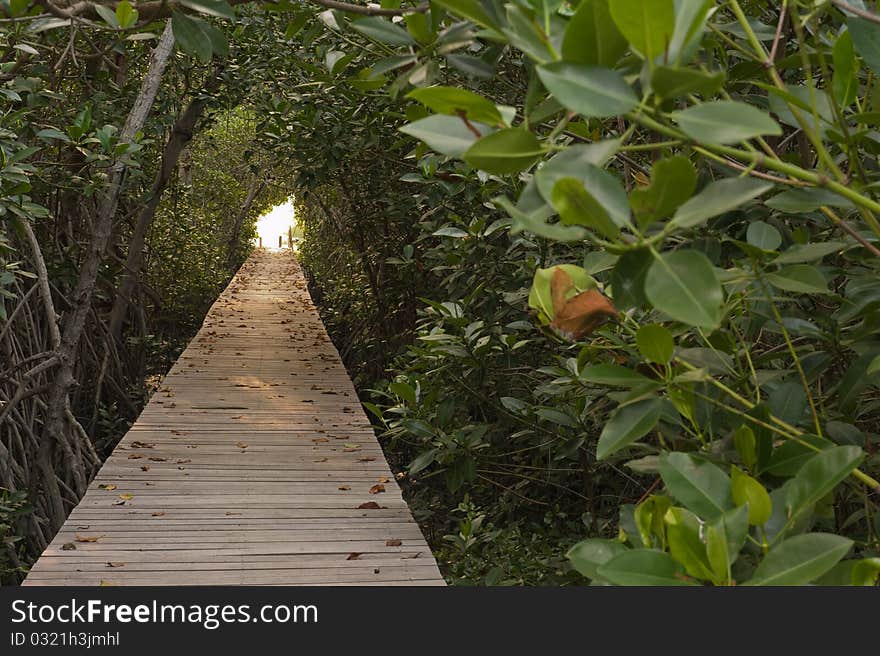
{"points": [[861, 13]]}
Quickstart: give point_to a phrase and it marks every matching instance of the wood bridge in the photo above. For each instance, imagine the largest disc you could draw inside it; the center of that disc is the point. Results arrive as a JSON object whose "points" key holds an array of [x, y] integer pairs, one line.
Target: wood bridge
{"points": [[252, 464]]}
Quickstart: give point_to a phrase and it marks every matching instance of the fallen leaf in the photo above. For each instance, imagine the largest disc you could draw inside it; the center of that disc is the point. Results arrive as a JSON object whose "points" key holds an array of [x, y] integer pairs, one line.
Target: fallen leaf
{"points": [[351, 446], [580, 315], [87, 538], [393, 543], [354, 556], [369, 505], [126, 497], [241, 445], [112, 564], [344, 487], [107, 486], [68, 546], [134, 456], [157, 459], [158, 513], [366, 459], [376, 489], [182, 461], [142, 445], [321, 460], [106, 584], [384, 479], [145, 468]]}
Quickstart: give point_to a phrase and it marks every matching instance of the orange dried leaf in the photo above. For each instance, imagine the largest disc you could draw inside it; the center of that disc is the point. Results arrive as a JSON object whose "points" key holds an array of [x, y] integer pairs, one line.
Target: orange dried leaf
{"points": [[580, 315], [87, 538]]}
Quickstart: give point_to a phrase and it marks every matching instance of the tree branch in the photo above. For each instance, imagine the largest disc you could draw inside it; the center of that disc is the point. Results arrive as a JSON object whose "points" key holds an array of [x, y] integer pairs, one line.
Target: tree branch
{"points": [[856, 11]]}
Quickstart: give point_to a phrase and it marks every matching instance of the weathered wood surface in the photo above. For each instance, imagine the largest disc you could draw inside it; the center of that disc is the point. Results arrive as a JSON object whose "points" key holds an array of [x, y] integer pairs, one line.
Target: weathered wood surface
{"points": [[249, 465]]}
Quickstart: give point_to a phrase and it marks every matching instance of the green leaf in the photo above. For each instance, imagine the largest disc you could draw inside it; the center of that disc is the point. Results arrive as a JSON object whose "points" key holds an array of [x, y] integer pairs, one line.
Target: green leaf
{"points": [[683, 530], [588, 90], [126, 15], [424, 459], [219, 44], [526, 33], [717, 198], [799, 278], [800, 559], [469, 9], [576, 206], [628, 424], [535, 222], [572, 163], [108, 15], [683, 284], [507, 151], [725, 122], [690, 24], [797, 201], [641, 567], [218, 8], [383, 31], [447, 135], [788, 402], [819, 476], [656, 343], [673, 181], [763, 235], [588, 555], [451, 100], [809, 252], [866, 572], [672, 82], [724, 539], [627, 280], [788, 458], [866, 39], [648, 25], [701, 486], [845, 83], [748, 491], [613, 375], [51, 133], [592, 37], [190, 35], [745, 443]]}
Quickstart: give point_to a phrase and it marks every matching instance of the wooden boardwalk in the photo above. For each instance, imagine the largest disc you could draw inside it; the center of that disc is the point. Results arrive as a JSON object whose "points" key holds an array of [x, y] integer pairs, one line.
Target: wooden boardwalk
{"points": [[253, 464]]}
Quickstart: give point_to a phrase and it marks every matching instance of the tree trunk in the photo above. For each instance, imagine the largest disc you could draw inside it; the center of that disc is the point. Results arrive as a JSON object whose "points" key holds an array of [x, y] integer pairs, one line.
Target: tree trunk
{"points": [[181, 134], [60, 430], [254, 190]]}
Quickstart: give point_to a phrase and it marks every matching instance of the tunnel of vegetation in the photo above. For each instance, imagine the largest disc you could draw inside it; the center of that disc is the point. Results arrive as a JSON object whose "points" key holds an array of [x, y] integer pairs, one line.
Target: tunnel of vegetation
{"points": [[605, 272]]}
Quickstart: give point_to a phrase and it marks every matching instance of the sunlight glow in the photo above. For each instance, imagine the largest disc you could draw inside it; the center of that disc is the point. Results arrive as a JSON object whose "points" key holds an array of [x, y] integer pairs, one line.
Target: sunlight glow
{"points": [[275, 224]]}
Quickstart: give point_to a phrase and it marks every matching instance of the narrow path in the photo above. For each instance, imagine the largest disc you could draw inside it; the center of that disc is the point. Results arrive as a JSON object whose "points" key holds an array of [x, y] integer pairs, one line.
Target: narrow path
{"points": [[253, 464]]}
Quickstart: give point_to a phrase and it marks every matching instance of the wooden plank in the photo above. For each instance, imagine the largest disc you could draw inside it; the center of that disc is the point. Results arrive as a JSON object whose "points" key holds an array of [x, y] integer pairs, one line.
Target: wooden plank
{"points": [[252, 464]]}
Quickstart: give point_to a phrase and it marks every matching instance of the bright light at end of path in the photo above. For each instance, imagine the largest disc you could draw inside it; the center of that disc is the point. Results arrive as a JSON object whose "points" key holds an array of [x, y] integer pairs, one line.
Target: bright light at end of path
{"points": [[275, 224]]}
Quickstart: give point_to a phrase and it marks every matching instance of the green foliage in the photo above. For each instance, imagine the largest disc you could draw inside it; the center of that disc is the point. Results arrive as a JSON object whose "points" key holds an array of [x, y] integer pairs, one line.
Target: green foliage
{"points": [[725, 204]]}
